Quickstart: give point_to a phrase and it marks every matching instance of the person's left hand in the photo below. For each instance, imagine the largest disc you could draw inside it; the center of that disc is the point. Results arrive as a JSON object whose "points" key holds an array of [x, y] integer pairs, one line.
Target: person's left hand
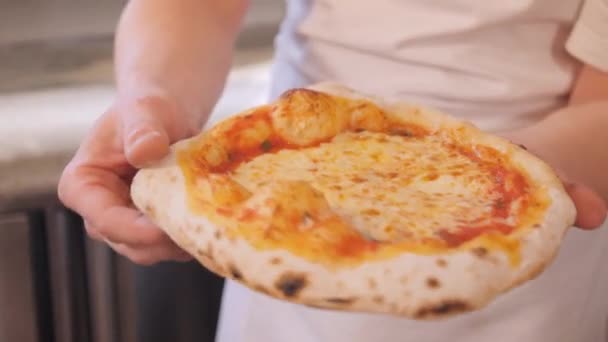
{"points": [[590, 207]]}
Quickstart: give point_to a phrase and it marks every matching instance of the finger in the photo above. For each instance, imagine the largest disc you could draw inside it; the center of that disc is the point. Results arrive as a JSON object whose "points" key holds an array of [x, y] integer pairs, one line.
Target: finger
{"points": [[127, 225], [102, 199], [145, 138], [150, 255], [591, 208]]}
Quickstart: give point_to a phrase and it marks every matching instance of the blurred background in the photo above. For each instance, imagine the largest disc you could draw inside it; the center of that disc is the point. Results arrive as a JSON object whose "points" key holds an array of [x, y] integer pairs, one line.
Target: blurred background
{"points": [[55, 284]]}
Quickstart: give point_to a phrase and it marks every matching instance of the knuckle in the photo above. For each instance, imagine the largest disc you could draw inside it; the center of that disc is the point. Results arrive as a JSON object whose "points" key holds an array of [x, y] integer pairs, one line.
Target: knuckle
{"points": [[142, 258]]}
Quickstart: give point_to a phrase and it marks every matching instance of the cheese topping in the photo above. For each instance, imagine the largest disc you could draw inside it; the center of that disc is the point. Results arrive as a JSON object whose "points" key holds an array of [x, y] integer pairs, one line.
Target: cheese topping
{"points": [[358, 190]]}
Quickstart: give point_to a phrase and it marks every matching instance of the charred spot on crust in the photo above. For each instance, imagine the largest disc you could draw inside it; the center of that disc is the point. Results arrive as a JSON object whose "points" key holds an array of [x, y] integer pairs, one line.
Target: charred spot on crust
{"points": [[401, 132], [275, 260], [441, 262], [500, 204], [266, 145], [217, 235], [340, 301], [432, 283], [235, 272], [523, 146], [290, 284], [480, 251], [447, 307]]}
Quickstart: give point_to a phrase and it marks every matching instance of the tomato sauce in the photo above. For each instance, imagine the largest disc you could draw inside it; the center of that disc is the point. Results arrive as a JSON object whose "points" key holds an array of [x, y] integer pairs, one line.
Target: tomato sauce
{"points": [[354, 245], [467, 233], [243, 154], [509, 184], [239, 153]]}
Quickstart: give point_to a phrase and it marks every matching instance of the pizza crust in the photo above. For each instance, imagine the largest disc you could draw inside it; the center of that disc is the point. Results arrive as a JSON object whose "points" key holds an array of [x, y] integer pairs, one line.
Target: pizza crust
{"points": [[411, 285]]}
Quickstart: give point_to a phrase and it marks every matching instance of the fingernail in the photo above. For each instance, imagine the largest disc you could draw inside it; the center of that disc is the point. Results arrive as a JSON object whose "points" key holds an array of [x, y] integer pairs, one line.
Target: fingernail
{"points": [[138, 137]]}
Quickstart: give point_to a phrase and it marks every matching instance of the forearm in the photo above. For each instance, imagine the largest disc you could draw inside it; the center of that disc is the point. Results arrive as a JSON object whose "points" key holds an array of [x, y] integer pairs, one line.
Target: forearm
{"points": [[178, 48]]}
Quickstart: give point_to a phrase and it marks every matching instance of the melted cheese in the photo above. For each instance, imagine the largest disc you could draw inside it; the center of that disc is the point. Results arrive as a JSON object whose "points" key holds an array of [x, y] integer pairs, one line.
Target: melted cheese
{"points": [[341, 182], [389, 188]]}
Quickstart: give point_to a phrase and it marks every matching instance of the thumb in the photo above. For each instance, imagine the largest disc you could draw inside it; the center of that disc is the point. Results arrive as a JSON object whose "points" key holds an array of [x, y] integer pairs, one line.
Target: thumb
{"points": [[145, 138]]}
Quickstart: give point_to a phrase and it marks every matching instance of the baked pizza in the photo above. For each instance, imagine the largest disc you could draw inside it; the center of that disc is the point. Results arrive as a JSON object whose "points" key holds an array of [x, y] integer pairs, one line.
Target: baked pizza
{"points": [[335, 199]]}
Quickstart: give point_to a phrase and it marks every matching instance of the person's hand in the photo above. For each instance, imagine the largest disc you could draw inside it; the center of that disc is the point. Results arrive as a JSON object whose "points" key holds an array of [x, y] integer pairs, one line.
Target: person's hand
{"points": [[590, 207], [96, 183]]}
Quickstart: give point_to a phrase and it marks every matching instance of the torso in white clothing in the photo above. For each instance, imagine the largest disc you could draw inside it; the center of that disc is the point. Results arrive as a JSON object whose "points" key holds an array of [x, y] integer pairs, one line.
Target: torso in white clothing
{"points": [[500, 64]]}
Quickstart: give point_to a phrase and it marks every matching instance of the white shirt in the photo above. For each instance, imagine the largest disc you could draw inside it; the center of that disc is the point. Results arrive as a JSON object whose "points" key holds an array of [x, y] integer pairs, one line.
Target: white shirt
{"points": [[500, 64]]}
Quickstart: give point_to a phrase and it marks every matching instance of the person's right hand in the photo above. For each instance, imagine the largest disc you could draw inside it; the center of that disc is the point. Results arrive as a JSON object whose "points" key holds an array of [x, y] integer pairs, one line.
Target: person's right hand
{"points": [[96, 182]]}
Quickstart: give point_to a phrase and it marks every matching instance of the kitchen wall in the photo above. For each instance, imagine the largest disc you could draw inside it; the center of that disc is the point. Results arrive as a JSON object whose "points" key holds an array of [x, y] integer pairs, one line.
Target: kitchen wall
{"points": [[48, 43], [23, 20]]}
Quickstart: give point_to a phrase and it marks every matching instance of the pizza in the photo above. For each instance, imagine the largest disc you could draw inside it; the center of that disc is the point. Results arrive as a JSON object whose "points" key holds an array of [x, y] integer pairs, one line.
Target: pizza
{"points": [[335, 199]]}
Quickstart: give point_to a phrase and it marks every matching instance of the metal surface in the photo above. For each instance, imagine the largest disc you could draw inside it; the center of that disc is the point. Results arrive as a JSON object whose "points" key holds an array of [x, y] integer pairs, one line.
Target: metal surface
{"points": [[103, 295], [18, 316], [69, 283], [58, 285], [38, 251]]}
